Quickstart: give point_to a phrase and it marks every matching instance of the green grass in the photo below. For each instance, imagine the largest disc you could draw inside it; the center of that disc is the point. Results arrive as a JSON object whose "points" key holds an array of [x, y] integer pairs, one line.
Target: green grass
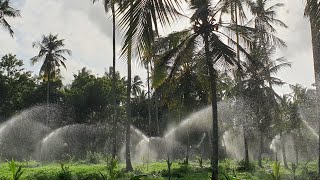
{"points": [[154, 171]]}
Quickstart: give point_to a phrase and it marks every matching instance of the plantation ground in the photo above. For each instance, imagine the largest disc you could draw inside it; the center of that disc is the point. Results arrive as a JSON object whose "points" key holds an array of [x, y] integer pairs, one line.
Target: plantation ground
{"points": [[156, 171]]}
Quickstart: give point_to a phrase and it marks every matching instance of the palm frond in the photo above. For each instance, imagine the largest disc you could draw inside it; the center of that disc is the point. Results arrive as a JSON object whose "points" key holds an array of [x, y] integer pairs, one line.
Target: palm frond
{"points": [[64, 51], [140, 20], [6, 26], [106, 4], [7, 11], [63, 64], [275, 69], [51, 53], [178, 53]]}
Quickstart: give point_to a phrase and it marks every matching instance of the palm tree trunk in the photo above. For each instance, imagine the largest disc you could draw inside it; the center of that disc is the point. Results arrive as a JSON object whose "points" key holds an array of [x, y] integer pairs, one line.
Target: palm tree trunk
{"points": [[214, 103], [261, 149], [316, 60], [48, 90], [246, 148], [48, 100], [298, 142], [157, 112], [296, 148], [237, 33], [114, 100], [188, 147], [156, 107], [283, 147], [232, 11], [224, 148], [128, 157], [149, 100], [284, 154]]}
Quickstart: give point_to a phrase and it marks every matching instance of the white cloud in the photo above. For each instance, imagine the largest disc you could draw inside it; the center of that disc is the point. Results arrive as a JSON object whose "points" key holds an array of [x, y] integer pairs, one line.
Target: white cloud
{"points": [[7, 44], [91, 46], [88, 33], [299, 50]]}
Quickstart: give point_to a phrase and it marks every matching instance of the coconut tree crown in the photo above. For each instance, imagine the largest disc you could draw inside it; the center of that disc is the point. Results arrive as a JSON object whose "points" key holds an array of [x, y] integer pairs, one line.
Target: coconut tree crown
{"points": [[52, 53], [7, 11], [264, 19]]}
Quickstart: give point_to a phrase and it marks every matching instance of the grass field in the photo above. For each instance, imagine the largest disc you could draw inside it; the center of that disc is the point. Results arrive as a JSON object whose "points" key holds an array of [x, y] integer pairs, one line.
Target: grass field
{"points": [[228, 170]]}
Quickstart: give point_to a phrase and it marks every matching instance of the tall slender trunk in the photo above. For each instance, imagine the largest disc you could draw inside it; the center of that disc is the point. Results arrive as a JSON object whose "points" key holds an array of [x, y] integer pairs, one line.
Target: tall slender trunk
{"points": [[283, 148], [296, 148], [246, 149], [237, 33], [128, 157], [297, 143], [149, 100], [114, 99], [316, 60], [48, 90], [156, 107], [188, 147], [232, 11], [224, 148], [284, 154], [209, 135], [157, 112], [260, 149], [48, 96], [214, 103]]}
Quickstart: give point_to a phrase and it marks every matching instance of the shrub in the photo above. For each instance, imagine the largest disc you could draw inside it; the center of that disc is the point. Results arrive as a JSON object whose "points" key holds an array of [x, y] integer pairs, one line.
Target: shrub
{"points": [[306, 174], [93, 157], [243, 166], [229, 177], [293, 169], [89, 176], [111, 166], [16, 171], [67, 158], [138, 177], [200, 161], [275, 174], [41, 175], [177, 173], [64, 173]]}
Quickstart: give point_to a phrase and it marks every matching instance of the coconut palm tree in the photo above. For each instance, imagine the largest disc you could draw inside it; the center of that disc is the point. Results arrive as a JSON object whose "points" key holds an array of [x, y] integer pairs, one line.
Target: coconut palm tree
{"points": [[281, 124], [7, 11], [148, 66], [139, 21], [215, 51], [298, 97], [264, 18], [205, 40], [258, 84], [110, 4], [51, 54], [238, 15], [312, 11], [136, 86], [273, 66], [236, 9]]}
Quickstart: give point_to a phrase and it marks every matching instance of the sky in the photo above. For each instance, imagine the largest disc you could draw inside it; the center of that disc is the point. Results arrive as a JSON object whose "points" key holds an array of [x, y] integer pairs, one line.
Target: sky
{"points": [[87, 31]]}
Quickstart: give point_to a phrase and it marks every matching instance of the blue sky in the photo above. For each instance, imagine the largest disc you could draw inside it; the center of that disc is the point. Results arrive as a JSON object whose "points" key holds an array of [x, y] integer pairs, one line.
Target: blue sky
{"points": [[87, 30]]}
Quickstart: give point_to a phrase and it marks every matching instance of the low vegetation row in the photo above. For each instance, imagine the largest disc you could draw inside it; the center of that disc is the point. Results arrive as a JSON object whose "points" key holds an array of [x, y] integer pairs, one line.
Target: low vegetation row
{"points": [[111, 169]]}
